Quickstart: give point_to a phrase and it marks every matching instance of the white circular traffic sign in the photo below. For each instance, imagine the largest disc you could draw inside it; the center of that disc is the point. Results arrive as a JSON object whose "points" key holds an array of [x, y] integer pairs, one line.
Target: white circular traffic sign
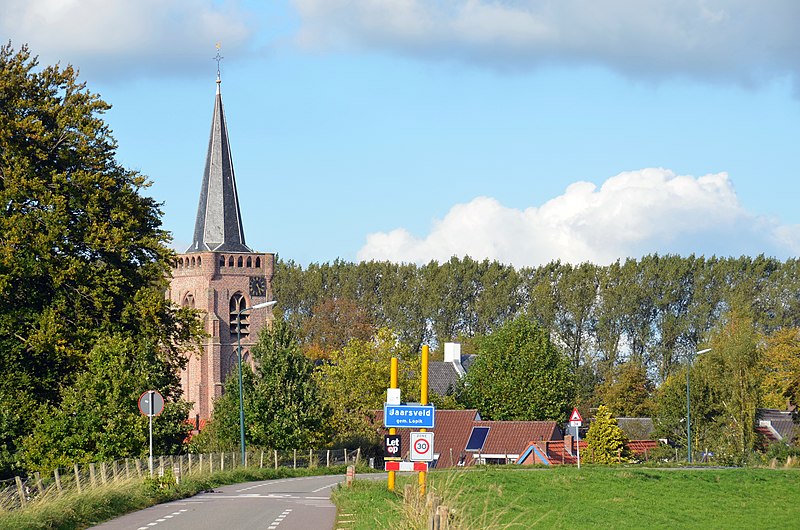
{"points": [[151, 403], [421, 446]]}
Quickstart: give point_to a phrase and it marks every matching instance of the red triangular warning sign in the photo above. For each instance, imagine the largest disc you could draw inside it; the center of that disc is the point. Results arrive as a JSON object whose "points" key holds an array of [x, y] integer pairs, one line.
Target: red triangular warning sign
{"points": [[575, 416]]}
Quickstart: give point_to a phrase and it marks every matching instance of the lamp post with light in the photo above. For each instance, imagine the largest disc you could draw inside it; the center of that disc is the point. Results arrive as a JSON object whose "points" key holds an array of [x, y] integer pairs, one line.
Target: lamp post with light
{"points": [[239, 351], [689, 408]]}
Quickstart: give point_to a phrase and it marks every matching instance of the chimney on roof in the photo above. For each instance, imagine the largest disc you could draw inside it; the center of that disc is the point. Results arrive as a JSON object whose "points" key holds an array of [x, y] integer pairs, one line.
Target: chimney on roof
{"points": [[568, 440], [452, 354]]}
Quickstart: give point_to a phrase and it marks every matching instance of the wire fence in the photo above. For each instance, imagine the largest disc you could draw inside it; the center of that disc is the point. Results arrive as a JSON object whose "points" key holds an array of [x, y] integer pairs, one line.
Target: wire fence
{"points": [[18, 492]]}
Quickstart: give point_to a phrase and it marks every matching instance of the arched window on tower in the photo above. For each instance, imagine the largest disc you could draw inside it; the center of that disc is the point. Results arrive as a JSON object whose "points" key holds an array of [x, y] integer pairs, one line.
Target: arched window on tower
{"points": [[230, 261], [249, 261], [239, 263], [239, 321], [188, 301], [258, 262]]}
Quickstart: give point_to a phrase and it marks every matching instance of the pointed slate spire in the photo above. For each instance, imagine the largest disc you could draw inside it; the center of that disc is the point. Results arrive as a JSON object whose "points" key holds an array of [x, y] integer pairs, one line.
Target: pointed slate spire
{"points": [[219, 223]]}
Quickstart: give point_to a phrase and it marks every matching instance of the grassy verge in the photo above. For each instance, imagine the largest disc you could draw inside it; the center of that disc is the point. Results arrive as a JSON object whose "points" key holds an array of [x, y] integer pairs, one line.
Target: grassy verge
{"points": [[595, 497], [81, 510]]}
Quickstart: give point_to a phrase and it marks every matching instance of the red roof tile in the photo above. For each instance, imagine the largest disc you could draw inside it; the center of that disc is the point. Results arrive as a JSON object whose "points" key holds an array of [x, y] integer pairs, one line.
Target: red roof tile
{"points": [[512, 437]]}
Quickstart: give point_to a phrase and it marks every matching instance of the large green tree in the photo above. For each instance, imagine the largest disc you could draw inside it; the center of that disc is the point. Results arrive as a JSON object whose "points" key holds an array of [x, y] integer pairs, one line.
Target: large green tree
{"points": [[82, 252], [519, 375], [781, 367], [283, 405], [627, 392], [354, 383], [98, 417]]}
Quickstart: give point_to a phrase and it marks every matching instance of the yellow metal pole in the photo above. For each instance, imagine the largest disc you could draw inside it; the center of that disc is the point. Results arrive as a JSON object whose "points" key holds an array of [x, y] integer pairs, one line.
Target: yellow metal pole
{"points": [[423, 399], [392, 430]]}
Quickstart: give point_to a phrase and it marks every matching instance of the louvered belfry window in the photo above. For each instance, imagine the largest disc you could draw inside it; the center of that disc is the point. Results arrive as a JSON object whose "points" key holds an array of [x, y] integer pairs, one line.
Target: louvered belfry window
{"points": [[239, 321]]}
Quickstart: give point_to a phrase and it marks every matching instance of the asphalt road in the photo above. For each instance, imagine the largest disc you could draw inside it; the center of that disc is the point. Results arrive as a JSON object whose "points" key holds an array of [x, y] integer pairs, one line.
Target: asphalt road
{"points": [[283, 504]]}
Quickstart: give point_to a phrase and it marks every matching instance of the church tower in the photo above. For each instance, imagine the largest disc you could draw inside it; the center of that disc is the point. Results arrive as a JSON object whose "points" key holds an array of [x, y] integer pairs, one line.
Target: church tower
{"points": [[220, 275]]}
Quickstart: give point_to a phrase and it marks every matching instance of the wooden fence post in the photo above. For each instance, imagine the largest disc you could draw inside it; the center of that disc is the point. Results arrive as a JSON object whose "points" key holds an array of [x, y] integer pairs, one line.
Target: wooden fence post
{"points": [[39, 485], [103, 472], [92, 477], [77, 478], [431, 507], [21, 492], [328, 458], [276, 459], [294, 465], [261, 461], [57, 478], [138, 465], [358, 455], [444, 518]]}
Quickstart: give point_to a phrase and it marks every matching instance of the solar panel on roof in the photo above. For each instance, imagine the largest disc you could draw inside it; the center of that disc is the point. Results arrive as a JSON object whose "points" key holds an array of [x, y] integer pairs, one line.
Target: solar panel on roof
{"points": [[477, 438]]}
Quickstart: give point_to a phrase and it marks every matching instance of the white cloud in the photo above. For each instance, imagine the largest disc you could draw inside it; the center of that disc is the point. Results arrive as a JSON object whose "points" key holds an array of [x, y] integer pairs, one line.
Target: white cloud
{"points": [[713, 39], [123, 38], [630, 215]]}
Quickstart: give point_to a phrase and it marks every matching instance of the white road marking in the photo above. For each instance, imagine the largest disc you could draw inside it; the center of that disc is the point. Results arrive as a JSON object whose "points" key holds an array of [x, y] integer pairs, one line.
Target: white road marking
{"points": [[274, 524], [155, 523], [324, 487]]}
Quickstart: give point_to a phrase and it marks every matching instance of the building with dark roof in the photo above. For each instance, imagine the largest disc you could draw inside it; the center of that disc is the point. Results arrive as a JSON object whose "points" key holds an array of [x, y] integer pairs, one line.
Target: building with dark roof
{"points": [[775, 425], [444, 376], [220, 275]]}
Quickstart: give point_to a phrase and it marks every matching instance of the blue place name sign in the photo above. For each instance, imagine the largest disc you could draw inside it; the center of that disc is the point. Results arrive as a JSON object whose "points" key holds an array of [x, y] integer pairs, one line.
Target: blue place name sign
{"points": [[417, 416]]}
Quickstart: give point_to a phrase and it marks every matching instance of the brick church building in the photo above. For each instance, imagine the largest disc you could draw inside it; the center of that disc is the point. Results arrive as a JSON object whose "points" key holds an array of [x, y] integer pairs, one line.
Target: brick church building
{"points": [[220, 275]]}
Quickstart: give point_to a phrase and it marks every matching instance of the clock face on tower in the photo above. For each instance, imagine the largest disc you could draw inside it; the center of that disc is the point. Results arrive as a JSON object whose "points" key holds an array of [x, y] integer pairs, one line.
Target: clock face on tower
{"points": [[258, 286]]}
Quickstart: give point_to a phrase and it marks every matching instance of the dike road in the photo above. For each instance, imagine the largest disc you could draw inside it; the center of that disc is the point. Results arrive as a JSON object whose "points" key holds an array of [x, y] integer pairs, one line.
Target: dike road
{"points": [[301, 503]]}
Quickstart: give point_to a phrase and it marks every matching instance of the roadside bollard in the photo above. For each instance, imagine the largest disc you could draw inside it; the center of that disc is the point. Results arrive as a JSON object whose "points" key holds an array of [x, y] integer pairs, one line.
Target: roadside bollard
{"points": [[351, 473]]}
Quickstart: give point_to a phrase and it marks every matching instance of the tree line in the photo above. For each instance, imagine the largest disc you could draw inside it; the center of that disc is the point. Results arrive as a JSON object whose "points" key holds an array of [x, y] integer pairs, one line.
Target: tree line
{"points": [[654, 310]]}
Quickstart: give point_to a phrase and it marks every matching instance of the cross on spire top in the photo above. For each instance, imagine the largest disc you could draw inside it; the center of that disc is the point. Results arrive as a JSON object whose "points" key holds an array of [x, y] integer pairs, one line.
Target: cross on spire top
{"points": [[218, 58]]}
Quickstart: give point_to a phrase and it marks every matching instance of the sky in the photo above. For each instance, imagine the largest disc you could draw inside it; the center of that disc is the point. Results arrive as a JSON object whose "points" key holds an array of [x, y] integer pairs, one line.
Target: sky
{"points": [[523, 131]]}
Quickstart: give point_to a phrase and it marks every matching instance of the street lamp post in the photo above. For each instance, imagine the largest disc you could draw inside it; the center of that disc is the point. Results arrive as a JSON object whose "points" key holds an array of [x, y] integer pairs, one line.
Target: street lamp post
{"points": [[239, 351], [688, 407]]}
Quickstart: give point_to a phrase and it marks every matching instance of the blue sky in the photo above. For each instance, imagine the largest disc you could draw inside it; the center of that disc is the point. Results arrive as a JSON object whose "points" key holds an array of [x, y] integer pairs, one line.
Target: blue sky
{"points": [[410, 130]]}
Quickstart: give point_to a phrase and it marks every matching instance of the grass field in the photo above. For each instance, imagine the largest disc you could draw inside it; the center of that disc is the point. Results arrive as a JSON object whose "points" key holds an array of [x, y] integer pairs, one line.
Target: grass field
{"points": [[76, 511], [592, 497]]}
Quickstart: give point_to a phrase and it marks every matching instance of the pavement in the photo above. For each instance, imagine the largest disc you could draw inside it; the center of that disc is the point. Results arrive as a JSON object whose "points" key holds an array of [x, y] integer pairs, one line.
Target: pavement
{"points": [[301, 503]]}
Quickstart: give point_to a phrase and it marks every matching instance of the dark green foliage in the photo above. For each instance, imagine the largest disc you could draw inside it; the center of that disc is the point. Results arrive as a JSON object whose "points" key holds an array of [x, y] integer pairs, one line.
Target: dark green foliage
{"points": [[98, 418], [82, 252], [283, 405], [628, 391], [519, 375]]}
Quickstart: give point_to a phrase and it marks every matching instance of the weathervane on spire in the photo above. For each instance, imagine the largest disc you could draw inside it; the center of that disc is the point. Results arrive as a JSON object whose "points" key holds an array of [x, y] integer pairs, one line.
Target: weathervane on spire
{"points": [[218, 58]]}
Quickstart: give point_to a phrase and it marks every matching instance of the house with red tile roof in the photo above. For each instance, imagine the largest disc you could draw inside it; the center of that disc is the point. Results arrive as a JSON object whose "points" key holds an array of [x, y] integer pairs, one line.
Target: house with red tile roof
{"points": [[461, 438], [566, 451]]}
